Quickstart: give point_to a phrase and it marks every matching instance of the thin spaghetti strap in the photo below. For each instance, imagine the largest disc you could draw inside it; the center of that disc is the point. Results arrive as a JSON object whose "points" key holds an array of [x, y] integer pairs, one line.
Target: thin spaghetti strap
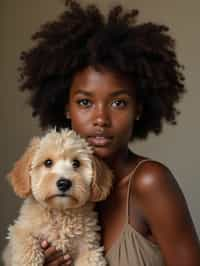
{"points": [[132, 174]]}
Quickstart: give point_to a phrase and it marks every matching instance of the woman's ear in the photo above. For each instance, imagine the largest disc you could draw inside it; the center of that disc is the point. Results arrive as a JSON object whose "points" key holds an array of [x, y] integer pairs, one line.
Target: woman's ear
{"points": [[139, 111], [19, 176], [101, 181], [67, 114]]}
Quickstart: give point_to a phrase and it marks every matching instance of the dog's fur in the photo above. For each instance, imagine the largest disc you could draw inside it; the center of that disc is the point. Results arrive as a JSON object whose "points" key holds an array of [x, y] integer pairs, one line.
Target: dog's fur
{"points": [[67, 220]]}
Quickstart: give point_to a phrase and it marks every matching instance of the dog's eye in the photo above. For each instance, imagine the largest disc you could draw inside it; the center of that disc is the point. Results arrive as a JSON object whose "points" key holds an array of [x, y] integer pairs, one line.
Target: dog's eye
{"points": [[76, 163], [48, 163]]}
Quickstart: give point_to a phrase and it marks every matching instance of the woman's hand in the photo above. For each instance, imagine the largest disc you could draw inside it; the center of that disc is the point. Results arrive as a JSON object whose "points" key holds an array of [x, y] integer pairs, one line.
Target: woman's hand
{"points": [[54, 257]]}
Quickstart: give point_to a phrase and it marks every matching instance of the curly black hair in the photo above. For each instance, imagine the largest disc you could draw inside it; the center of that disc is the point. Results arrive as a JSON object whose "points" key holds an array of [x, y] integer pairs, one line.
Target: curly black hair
{"points": [[83, 36]]}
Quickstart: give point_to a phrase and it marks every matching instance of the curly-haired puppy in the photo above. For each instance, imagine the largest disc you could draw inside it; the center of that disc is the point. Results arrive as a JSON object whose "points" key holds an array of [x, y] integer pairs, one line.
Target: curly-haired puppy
{"points": [[60, 179]]}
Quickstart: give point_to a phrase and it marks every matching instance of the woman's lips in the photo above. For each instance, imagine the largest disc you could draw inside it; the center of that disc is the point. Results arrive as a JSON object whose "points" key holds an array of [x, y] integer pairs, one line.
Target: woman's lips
{"points": [[99, 141]]}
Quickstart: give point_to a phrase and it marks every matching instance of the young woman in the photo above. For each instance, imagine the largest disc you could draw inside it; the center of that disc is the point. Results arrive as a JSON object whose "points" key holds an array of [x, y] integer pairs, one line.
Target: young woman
{"points": [[112, 81]]}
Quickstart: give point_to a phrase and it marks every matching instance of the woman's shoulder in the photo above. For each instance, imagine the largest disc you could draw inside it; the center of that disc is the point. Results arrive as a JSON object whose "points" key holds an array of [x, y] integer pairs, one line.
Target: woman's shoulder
{"points": [[162, 205], [154, 179]]}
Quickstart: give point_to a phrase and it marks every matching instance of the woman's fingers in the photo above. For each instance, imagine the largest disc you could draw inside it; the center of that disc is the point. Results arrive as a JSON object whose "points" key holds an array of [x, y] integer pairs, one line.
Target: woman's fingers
{"points": [[44, 244], [54, 257], [59, 261], [68, 260], [51, 253]]}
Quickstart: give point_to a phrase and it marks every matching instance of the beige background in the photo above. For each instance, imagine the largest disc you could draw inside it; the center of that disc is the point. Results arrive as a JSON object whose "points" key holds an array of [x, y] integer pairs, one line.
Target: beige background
{"points": [[178, 147]]}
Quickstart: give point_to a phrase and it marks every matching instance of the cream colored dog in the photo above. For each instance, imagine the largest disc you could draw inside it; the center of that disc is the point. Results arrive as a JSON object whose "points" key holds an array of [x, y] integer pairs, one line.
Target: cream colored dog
{"points": [[60, 179]]}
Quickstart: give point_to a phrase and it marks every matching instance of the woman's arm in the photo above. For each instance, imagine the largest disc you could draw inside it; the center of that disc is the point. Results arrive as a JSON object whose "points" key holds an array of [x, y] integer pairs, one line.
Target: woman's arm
{"points": [[164, 207]]}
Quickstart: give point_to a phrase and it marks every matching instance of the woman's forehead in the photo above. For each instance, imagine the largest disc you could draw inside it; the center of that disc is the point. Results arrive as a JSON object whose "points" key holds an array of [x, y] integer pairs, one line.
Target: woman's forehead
{"points": [[90, 79]]}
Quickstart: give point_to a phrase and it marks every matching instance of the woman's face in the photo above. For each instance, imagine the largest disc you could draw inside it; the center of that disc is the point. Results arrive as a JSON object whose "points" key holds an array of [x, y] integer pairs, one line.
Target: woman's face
{"points": [[102, 109]]}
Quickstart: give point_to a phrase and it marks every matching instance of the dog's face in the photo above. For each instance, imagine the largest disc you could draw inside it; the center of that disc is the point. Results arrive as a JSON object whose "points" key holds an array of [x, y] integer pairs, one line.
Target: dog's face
{"points": [[61, 172]]}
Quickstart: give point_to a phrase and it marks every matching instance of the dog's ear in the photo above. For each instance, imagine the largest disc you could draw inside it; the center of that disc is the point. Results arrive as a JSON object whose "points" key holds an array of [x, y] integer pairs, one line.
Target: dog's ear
{"points": [[101, 181], [19, 176]]}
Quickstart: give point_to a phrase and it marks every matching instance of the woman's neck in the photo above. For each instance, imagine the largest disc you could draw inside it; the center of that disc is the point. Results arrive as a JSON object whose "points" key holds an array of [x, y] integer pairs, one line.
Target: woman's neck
{"points": [[122, 164]]}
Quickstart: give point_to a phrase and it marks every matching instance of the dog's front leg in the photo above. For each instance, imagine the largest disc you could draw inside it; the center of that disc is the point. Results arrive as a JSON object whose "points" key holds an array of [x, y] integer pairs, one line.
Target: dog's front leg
{"points": [[25, 248]]}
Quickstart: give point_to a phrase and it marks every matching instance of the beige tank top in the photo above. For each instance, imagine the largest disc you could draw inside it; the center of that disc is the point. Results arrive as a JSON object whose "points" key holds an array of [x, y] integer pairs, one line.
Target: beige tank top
{"points": [[131, 248]]}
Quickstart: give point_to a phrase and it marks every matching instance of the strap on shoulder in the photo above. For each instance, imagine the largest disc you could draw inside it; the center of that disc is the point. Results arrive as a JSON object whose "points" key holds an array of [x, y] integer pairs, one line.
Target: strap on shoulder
{"points": [[132, 174]]}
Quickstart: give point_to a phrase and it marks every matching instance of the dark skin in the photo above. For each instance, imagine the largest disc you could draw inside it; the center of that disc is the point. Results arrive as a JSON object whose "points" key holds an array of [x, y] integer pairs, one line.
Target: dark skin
{"points": [[105, 102]]}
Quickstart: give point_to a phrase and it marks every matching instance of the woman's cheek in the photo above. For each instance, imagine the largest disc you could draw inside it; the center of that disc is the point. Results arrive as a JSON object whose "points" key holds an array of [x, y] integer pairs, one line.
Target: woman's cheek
{"points": [[80, 124]]}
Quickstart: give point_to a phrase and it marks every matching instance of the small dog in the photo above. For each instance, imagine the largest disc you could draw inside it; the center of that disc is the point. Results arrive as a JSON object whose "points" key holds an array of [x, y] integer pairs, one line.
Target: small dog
{"points": [[61, 179]]}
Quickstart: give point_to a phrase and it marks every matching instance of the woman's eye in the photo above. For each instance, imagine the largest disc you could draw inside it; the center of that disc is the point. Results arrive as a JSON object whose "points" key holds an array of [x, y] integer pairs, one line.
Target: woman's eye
{"points": [[84, 102], [119, 103], [76, 163], [48, 163]]}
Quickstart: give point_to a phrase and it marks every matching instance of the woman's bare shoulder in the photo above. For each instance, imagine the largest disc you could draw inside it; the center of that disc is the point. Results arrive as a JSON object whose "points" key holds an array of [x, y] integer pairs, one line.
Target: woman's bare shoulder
{"points": [[155, 185], [163, 205], [152, 176]]}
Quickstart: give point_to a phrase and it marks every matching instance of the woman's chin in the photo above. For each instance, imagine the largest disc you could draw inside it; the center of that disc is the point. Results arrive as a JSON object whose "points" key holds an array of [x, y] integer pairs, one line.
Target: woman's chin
{"points": [[103, 152]]}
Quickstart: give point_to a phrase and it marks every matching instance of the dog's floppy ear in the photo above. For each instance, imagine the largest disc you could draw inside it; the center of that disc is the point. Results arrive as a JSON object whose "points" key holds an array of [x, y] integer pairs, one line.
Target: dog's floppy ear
{"points": [[101, 181], [19, 176]]}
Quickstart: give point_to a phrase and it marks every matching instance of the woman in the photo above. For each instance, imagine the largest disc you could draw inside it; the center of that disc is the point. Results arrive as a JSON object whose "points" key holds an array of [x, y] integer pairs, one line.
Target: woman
{"points": [[113, 81]]}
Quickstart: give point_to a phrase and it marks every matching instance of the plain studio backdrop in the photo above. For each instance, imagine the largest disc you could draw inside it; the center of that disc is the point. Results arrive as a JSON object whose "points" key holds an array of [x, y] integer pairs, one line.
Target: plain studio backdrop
{"points": [[177, 147]]}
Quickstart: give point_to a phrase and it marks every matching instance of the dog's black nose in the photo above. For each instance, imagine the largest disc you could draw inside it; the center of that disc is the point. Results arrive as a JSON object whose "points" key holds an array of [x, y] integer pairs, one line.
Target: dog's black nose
{"points": [[64, 184]]}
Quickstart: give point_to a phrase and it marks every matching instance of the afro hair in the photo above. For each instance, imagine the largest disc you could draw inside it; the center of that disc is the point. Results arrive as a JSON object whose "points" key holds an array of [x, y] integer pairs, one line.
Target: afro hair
{"points": [[83, 36]]}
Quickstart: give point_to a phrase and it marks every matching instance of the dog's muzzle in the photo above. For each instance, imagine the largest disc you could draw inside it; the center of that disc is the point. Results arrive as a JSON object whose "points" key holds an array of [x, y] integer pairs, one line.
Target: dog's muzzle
{"points": [[63, 184]]}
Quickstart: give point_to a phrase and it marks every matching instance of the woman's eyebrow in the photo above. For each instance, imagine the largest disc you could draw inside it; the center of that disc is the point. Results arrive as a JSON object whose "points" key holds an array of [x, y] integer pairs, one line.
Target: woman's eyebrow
{"points": [[120, 92], [84, 92]]}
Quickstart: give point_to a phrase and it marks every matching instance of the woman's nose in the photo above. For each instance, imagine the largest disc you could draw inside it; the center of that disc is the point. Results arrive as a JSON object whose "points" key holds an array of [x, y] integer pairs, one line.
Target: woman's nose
{"points": [[102, 117]]}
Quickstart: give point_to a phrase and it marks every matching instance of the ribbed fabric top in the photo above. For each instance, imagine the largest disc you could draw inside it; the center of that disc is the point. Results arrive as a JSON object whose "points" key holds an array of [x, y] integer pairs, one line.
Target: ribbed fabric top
{"points": [[131, 248]]}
